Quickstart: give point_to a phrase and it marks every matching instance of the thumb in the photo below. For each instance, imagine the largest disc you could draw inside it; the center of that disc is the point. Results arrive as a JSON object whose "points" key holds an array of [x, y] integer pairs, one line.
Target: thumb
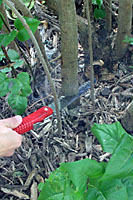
{"points": [[12, 122]]}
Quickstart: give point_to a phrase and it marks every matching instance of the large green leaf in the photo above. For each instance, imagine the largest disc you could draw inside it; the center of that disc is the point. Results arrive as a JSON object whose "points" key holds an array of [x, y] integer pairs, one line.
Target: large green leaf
{"points": [[80, 171], [17, 103], [108, 135], [107, 181], [23, 34], [93, 194], [59, 187], [48, 193], [54, 186], [128, 182], [114, 189], [121, 163]]}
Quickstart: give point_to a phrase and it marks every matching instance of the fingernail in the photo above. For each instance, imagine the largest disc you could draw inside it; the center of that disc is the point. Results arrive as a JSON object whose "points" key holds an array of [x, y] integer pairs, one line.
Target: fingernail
{"points": [[18, 118]]}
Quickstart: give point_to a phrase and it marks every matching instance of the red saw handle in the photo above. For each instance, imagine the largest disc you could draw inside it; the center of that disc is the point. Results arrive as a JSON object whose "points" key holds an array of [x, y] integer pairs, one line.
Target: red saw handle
{"points": [[33, 118]]}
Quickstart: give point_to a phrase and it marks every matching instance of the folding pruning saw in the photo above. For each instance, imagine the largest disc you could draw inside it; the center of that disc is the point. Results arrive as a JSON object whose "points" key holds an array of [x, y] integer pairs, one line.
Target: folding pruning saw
{"points": [[47, 111]]}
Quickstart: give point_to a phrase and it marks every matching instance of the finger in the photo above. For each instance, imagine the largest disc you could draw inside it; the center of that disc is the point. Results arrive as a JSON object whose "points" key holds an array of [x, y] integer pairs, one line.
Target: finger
{"points": [[9, 143], [12, 122], [15, 139], [8, 153]]}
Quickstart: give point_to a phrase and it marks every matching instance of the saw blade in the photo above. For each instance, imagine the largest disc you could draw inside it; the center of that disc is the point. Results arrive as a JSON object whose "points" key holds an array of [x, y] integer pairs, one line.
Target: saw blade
{"points": [[67, 101]]}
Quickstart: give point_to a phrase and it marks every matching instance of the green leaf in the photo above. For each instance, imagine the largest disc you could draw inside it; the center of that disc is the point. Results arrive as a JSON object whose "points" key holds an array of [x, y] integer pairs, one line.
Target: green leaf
{"points": [[1, 54], [13, 55], [121, 163], [99, 13], [23, 34], [59, 186], [128, 182], [128, 40], [131, 67], [17, 103], [18, 63], [114, 189], [3, 84], [99, 3], [80, 171], [6, 39], [40, 186], [94, 194], [2, 77], [95, 180], [1, 21], [14, 86], [94, 2], [108, 135], [24, 78], [18, 174], [26, 91], [27, 2], [4, 88], [54, 186], [2, 37], [1, 2]]}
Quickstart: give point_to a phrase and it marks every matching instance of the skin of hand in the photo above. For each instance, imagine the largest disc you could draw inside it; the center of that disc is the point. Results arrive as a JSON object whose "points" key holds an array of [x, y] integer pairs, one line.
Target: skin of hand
{"points": [[9, 139]]}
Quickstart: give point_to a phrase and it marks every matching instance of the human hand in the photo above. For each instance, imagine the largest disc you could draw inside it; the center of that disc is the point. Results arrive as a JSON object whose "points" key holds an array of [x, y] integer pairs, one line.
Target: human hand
{"points": [[9, 139]]}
